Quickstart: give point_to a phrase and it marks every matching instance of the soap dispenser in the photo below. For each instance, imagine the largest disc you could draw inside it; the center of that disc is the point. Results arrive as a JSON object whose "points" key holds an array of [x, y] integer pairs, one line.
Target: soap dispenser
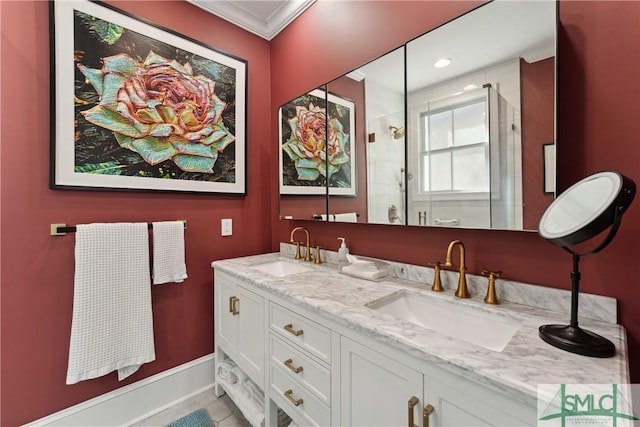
{"points": [[343, 251]]}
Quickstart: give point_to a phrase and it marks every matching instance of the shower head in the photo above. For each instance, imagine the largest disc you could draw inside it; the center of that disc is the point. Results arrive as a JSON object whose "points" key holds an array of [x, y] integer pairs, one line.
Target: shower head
{"points": [[396, 132]]}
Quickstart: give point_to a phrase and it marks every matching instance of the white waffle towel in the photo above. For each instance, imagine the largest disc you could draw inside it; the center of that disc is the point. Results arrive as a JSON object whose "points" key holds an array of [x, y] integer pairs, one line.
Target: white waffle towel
{"points": [[168, 252], [112, 325]]}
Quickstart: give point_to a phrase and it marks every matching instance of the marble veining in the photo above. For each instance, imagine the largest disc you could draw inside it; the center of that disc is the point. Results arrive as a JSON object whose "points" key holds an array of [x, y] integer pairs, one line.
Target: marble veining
{"points": [[525, 362], [595, 307]]}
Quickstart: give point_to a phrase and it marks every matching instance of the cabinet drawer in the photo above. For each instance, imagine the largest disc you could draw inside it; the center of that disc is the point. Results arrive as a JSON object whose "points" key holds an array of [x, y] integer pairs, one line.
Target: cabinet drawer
{"points": [[298, 399], [301, 369], [300, 331]]}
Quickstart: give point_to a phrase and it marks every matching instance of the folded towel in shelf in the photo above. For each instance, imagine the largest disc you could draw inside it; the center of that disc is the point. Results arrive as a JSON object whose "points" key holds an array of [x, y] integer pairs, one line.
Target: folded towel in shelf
{"points": [[112, 323], [247, 396], [168, 252]]}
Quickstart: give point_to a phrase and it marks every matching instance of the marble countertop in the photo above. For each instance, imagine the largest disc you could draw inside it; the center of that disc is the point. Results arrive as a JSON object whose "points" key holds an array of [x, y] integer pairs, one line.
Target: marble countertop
{"points": [[525, 362]]}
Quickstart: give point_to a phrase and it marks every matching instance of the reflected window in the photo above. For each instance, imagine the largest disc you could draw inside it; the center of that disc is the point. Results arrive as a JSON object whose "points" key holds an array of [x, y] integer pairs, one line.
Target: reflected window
{"points": [[455, 148]]}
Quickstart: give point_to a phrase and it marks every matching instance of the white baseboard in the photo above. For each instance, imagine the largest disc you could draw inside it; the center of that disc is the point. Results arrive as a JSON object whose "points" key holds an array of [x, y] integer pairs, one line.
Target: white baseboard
{"points": [[140, 400]]}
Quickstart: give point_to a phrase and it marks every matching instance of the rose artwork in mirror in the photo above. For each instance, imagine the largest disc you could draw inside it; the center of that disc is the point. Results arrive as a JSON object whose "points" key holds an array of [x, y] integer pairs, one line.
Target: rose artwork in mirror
{"points": [[462, 145], [303, 166], [316, 133]]}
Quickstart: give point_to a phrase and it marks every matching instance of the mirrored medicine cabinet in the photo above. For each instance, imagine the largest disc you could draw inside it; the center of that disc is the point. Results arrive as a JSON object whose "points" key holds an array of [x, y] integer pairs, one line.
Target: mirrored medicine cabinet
{"points": [[404, 140]]}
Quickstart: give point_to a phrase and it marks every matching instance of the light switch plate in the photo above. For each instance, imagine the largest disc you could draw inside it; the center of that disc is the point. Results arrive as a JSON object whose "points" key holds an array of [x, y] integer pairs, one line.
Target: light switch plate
{"points": [[226, 227]]}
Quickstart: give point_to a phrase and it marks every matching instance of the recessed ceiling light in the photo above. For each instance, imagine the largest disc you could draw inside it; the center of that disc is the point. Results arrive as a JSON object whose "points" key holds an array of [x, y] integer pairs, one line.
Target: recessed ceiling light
{"points": [[469, 87], [442, 62]]}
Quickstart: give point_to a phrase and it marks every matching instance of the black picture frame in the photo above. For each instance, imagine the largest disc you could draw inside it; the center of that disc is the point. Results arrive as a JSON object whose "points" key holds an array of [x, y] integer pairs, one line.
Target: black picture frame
{"points": [[139, 107]]}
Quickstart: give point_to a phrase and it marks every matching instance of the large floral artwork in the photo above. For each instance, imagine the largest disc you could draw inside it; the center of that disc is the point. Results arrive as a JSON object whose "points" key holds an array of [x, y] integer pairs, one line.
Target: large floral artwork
{"points": [[316, 137], [144, 108]]}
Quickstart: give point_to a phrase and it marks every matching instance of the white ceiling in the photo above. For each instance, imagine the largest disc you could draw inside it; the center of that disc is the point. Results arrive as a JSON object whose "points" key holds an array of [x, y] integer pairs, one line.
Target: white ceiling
{"points": [[494, 33], [265, 18]]}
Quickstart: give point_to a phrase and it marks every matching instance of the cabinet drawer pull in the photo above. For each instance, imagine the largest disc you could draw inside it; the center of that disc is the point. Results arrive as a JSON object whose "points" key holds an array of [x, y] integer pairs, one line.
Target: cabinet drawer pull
{"points": [[425, 415], [289, 328], [296, 402], [233, 309], [289, 364], [412, 403]]}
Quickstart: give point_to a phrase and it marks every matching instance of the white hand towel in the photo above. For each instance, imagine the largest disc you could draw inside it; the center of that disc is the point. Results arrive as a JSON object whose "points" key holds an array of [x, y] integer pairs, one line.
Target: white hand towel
{"points": [[346, 217], [168, 252], [112, 325]]}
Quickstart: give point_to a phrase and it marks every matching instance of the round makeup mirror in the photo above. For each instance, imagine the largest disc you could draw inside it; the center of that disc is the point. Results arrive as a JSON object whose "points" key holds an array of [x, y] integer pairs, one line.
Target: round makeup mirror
{"points": [[585, 210]]}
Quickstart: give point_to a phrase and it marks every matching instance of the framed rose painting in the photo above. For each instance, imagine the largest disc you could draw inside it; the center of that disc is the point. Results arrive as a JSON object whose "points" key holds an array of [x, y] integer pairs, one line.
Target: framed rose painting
{"points": [[316, 136], [138, 107]]}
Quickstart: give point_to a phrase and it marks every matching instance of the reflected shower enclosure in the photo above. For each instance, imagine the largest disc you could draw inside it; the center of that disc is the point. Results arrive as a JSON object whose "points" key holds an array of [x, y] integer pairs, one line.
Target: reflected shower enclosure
{"points": [[386, 153], [467, 152]]}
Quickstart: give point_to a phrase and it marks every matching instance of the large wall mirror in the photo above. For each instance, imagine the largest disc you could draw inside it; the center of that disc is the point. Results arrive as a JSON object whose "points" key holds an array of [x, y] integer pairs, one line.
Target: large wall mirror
{"points": [[404, 140]]}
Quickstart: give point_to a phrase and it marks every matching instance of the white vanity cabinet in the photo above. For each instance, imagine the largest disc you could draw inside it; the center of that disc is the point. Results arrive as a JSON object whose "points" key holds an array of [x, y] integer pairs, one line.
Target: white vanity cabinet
{"points": [[240, 332], [322, 372], [378, 390], [375, 389], [458, 401]]}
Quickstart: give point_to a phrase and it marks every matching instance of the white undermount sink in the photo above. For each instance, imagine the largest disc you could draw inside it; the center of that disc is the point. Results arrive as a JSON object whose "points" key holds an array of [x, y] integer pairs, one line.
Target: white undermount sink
{"points": [[458, 321], [281, 268]]}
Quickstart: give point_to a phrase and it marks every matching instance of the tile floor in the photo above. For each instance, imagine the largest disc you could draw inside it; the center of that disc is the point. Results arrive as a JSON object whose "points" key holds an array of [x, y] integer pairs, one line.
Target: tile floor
{"points": [[222, 411]]}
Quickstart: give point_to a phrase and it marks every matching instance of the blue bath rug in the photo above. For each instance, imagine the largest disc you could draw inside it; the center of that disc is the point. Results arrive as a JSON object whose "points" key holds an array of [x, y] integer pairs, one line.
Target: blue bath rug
{"points": [[199, 418]]}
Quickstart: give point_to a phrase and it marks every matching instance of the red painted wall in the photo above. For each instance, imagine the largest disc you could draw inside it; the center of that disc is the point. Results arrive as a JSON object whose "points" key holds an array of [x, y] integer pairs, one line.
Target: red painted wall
{"points": [[599, 105], [353, 90], [538, 98], [37, 269], [598, 111]]}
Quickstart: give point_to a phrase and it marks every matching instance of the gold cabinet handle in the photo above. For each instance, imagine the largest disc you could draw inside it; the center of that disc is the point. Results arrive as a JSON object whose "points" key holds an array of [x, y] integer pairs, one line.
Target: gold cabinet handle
{"points": [[289, 364], [425, 415], [289, 328], [232, 305], [412, 403], [296, 402]]}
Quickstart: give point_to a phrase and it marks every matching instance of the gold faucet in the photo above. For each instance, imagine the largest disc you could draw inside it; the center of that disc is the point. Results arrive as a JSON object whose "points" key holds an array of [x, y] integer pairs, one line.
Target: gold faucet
{"points": [[462, 291], [307, 255]]}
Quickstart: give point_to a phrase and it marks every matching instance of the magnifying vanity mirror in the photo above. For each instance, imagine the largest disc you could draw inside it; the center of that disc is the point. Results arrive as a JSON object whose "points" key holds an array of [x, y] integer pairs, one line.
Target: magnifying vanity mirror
{"points": [[407, 143], [585, 210]]}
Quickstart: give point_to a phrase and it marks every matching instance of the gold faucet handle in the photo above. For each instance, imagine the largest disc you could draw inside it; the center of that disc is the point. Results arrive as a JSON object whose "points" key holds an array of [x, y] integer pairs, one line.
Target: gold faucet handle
{"points": [[437, 283], [490, 274], [318, 258], [298, 255], [491, 297]]}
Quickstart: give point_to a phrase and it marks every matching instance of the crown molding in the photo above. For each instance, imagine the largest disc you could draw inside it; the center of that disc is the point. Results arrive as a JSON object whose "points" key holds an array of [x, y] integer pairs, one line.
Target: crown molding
{"points": [[241, 14]]}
